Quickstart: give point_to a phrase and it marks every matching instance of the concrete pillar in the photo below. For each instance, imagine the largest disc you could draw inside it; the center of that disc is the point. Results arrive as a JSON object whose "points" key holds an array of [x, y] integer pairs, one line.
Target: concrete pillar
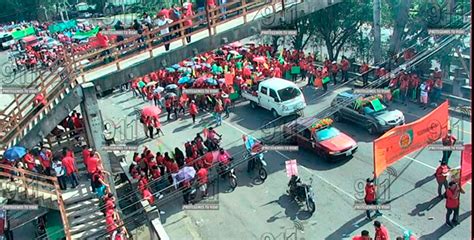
{"points": [[95, 127]]}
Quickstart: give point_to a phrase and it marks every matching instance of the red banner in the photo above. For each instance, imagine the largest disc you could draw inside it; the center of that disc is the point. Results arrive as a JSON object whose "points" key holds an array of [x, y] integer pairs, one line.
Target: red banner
{"points": [[466, 164], [403, 140]]}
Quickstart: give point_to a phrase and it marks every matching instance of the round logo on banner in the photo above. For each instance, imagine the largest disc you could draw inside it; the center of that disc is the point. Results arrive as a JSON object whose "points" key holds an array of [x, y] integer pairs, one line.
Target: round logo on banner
{"points": [[435, 130], [406, 139]]}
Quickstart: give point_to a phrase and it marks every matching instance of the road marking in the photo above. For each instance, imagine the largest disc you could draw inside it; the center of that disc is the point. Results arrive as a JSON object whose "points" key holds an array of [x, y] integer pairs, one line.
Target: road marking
{"points": [[323, 179], [426, 165]]}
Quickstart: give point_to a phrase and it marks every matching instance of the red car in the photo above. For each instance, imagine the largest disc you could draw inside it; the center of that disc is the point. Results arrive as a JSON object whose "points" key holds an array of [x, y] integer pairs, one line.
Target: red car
{"points": [[320, 137]]}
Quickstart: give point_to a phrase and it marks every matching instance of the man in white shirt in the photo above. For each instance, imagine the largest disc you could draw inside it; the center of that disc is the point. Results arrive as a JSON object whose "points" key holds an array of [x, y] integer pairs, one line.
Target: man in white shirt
{"points": [[163, 21], [60, 171]]}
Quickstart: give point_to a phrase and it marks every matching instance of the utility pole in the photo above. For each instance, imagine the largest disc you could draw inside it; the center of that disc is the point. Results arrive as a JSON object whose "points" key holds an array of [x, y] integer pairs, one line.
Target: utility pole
{"points": [[376, 30]]}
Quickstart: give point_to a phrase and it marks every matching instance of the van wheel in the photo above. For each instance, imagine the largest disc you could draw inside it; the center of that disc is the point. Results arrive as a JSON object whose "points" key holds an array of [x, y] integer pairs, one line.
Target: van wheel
{"points": [[253, 105], [274, 113], [372, 129]]}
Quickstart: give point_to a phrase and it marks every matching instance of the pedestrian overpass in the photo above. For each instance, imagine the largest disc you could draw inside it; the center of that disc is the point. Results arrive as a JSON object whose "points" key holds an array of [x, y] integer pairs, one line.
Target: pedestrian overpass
{"points": [[109, 67]]}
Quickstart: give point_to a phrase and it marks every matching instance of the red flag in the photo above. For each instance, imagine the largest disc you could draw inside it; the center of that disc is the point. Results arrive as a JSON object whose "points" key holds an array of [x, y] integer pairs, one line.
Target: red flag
{"points": [[466, 164]]}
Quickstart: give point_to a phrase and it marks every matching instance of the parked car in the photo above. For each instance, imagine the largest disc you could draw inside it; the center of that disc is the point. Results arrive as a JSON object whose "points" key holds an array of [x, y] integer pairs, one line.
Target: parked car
{"points": [[369, 112], [320, 137], [277, 95]]}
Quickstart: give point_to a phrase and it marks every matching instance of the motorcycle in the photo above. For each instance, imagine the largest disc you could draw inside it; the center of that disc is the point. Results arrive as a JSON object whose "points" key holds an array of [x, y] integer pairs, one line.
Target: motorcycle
{"points": [[229, 173], [213, 144], [257, 161], [303, 193]]}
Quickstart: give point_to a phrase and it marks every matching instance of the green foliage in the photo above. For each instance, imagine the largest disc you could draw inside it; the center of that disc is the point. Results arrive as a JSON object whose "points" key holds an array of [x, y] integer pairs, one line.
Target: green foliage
{"points": [[336, 25]]}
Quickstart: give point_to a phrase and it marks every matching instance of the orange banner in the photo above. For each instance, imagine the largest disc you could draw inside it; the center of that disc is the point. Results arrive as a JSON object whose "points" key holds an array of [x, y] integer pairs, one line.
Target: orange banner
{"points": [[466, 164], [403, 140]]}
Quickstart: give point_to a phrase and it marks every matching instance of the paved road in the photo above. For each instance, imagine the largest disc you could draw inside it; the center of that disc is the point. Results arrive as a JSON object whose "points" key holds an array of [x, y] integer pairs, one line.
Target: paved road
{"points": [[255, 209]]}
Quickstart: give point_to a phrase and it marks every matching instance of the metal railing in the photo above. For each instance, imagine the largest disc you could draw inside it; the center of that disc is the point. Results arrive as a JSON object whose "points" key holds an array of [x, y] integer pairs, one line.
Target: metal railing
{"points": [[17, 117], [31, 180]]}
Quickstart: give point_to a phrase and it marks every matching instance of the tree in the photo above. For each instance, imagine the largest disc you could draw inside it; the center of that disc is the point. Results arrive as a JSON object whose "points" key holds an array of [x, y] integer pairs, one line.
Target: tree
{"points": [[376, 31], [335, 25], [401, 9]]}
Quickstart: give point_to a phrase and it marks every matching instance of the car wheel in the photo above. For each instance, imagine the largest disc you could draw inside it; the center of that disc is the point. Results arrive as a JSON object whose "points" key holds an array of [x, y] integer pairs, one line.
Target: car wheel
{"points": [[372, 129], [253, 105], [274, 113]]}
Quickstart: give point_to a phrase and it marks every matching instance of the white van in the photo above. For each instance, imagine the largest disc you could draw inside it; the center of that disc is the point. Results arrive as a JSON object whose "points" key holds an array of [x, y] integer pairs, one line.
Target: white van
{"points": [[6, 41], [277, 95]]}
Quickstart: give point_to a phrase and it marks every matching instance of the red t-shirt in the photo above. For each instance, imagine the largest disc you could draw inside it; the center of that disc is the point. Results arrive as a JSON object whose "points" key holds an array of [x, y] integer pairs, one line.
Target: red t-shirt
{"points": [[173, 167], [369, 192], [148, 196], [30, 161], [202, 175], [93, 164], [381, 233], [439, 173], [452, 198], [68, 163], [85, 156], [345, 65], [111, 225]]}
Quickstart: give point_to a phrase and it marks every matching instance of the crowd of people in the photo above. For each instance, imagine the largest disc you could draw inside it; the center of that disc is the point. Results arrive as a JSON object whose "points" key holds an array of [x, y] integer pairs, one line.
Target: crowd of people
{"points": [[155, 173]]}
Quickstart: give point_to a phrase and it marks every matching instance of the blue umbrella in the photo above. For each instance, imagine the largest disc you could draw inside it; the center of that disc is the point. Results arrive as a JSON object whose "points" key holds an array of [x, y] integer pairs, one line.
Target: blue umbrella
{"points": [[176, 66], [14, 153], [170, 69], [184, 80], [211, 81]]}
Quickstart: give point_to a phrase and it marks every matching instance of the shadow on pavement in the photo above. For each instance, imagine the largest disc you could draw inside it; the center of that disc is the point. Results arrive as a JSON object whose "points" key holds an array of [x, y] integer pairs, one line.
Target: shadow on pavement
{"points": [[426, 206], [293, 210], [438, 233], [349, 227]]}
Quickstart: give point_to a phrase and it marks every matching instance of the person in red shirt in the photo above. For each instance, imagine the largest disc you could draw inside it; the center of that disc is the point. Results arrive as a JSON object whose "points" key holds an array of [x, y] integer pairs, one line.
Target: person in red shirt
{"points": [[345, 64], [45, 157], [334, 70], [381, 232], [441, 177], [70, 164], [86, 152], [364, 235], [370, 199], [39, 101], [211, 6], [448, 141], [404, 83], [148, 196], [110, 223], [168, 106], [193, 110], [364, 69], [94, 162], [452, 203], [29, 160], [414, 83], [203, 178], [188, 14]]}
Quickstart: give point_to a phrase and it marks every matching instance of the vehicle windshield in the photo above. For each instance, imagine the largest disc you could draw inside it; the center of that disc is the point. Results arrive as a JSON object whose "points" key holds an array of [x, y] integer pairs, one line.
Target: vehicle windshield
{"points": [[288, 93], [326, 134]]}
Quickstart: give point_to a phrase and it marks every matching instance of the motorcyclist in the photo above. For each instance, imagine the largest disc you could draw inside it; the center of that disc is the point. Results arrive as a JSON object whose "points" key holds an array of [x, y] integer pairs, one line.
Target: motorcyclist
{"points": [[297, 188], [213, 139], [254, 147], [224, 159]]}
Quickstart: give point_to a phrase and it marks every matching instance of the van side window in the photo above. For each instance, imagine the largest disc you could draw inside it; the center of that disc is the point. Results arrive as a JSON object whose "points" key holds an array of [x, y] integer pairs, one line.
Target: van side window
{"points": [[264, 90], [273, 94]]}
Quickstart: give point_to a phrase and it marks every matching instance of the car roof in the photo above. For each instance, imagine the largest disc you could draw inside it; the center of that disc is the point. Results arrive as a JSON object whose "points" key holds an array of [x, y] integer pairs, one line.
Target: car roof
{"points": [[276, 83]]}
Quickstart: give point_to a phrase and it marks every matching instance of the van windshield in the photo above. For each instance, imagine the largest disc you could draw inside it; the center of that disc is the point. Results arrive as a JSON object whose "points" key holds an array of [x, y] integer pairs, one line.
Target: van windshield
{"points": [[288, 93]]}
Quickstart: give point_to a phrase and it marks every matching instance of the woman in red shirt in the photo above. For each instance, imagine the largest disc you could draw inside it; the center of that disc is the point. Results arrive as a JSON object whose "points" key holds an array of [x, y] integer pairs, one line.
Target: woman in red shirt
{"points": [[193, 111], [188, 14], [157, 125]]}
